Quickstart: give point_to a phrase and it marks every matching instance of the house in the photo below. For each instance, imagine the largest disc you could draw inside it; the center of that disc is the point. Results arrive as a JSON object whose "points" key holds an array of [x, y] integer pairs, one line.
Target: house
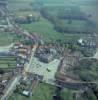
{"points": [[22, 56], [26, 93]]}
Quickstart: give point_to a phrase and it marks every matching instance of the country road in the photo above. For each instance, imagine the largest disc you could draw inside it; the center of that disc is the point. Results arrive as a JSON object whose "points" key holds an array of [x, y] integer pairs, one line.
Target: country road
{"points": [[11, 88], [30, 62]]}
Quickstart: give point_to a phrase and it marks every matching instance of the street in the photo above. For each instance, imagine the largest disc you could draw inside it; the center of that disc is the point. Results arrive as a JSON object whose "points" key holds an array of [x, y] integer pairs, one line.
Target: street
{"points": [[11, 88]]}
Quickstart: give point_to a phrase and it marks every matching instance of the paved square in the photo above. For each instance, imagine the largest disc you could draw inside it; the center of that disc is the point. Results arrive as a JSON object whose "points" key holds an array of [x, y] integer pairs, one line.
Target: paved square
{"points": [[48, 70]]}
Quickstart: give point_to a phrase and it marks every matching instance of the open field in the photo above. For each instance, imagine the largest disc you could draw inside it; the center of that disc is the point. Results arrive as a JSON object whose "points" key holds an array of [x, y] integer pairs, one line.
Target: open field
{"points": [[45, 29], [42, 92]]}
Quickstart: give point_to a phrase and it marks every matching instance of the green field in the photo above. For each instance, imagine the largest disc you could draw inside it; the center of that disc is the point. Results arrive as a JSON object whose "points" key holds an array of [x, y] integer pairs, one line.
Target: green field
{"points": [[42, 92], [45, 92], [45, 29]]}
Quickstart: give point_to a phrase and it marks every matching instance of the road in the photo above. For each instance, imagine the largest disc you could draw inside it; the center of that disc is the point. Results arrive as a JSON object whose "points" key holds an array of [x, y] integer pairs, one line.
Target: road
{"points": [[27, 68], [9, 23], [11, 88], [2, 12], [96, 54]]}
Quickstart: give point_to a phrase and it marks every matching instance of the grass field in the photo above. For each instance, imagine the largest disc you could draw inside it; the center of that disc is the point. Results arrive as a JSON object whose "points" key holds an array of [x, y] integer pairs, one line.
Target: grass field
{"points": [[42, 92]]}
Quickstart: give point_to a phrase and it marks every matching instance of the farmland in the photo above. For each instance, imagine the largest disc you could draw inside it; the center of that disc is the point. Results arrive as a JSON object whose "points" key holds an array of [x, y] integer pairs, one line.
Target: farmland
{"points": [[44, 27], [7, 62]]}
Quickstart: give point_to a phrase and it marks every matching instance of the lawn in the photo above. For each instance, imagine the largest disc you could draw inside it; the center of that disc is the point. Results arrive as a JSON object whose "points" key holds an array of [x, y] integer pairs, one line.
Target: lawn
{"points": [[42, 92]]}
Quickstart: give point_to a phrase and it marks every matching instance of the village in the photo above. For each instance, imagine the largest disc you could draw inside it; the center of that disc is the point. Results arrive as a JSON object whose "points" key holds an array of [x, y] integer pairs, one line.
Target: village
{"points": [[29, 61]]}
